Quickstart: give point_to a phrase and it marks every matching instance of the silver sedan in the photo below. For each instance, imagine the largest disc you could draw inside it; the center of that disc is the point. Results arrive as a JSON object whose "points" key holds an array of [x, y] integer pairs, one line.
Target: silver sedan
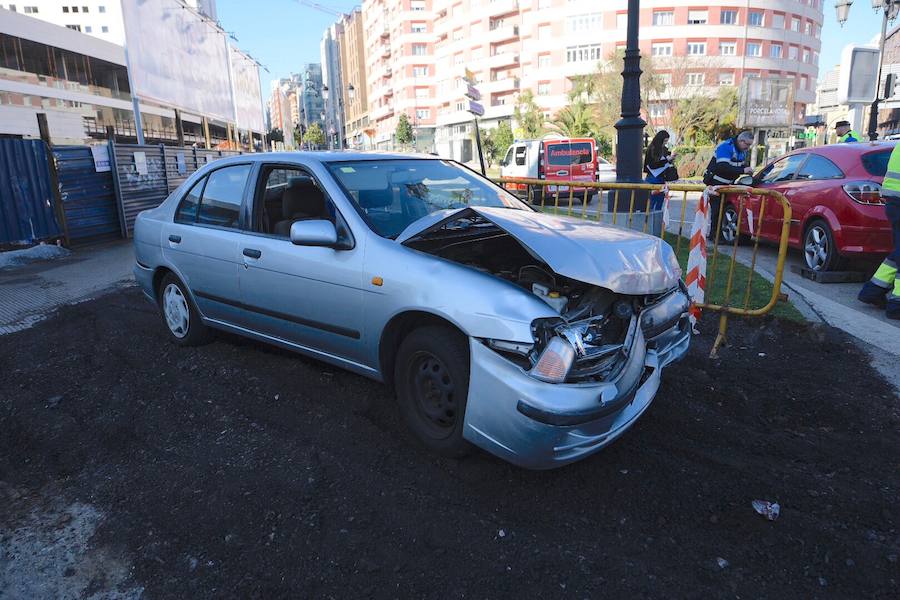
{"points": [[537, 338]]}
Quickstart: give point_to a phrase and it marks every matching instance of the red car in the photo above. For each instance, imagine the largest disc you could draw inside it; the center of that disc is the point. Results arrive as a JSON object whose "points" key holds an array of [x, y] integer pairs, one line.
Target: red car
{"points": [[835, 196]]}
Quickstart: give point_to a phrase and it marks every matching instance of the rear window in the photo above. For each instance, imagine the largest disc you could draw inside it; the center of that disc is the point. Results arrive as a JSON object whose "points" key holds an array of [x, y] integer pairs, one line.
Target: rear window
{"points": [[569, 154], [876, 162]]}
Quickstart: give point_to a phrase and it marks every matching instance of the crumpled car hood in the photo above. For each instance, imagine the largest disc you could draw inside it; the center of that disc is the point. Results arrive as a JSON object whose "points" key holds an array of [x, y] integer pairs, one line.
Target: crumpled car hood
{"points": [[621, 260]]}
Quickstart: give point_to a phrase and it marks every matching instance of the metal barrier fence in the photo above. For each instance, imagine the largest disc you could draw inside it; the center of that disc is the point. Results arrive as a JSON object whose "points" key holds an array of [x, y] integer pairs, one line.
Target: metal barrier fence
{"points": [[628, 205]]}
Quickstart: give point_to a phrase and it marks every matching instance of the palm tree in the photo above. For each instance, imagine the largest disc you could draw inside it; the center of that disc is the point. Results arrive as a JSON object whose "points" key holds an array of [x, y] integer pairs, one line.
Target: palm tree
{"points": [[575, 120]]}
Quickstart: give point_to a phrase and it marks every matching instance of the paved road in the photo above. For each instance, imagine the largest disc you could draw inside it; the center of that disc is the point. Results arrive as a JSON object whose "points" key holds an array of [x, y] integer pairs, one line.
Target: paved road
{"points": [[30, 293]]}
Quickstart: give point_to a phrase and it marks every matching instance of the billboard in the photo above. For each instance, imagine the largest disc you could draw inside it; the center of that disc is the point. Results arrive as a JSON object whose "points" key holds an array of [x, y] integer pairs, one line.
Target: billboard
{"points": [[247, 98], [176, 58], [766, 102]]}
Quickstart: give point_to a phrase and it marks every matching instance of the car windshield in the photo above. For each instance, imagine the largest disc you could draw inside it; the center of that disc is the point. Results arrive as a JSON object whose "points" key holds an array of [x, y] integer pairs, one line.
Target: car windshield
{"points": [[391, 194]]}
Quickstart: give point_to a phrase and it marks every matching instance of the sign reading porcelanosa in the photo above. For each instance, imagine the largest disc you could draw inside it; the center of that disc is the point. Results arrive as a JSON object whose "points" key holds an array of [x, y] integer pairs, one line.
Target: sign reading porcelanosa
{"points": [[766, 102], [176, 59]]}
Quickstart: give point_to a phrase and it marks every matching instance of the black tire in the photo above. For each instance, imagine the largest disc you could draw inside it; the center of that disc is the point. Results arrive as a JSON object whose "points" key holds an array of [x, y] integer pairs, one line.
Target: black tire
{"points": [[729, 226], [431, 376], [190, 331], [819, 250]]}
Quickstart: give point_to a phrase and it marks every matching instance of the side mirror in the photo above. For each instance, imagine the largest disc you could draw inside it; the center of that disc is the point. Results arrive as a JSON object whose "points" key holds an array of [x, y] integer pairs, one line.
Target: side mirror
{"points": [[744, 180], [314, 233]]}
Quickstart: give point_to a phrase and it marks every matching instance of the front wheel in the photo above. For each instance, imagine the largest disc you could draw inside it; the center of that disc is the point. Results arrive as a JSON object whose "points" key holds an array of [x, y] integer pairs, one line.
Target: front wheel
{"points": [[729, 229], [432, 381], [819, 248]]}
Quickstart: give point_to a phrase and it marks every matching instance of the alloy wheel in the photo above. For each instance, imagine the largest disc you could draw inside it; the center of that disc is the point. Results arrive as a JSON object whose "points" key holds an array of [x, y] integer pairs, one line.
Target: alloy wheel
{"points": [[729, 224], [816, 247]]}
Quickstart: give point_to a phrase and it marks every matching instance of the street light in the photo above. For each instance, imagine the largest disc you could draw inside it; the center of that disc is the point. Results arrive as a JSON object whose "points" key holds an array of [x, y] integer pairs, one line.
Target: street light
{"points": [[630, 127], [890, 9]]}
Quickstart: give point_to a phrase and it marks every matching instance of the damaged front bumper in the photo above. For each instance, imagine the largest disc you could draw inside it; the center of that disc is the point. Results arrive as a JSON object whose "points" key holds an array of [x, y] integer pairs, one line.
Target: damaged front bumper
{"points": [[540, 425]]}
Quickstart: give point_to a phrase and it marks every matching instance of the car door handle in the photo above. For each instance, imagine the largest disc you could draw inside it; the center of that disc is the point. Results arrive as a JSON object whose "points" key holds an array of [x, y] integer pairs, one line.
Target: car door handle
{"points": [[175, 239], [562, 172], [252, 253]]}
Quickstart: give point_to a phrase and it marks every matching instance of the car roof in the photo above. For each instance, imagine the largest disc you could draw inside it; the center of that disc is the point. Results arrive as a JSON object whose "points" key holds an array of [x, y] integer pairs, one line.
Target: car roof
{"points": [[845, 150], [325, 156]]}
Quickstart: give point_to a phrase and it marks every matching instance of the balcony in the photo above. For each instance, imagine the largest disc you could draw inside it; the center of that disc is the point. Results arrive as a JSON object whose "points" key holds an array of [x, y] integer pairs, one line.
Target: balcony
{"points": [[385, 51], [502, 59], [500, 7], [502, 34], [388, 71], [507, 84], [385, 31], [382, 112]]}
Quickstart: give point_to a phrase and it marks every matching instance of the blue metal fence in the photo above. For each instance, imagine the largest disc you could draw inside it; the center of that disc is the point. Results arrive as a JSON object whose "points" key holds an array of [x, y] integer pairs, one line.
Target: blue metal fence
{"points": [[26, 195], [88, 197]]}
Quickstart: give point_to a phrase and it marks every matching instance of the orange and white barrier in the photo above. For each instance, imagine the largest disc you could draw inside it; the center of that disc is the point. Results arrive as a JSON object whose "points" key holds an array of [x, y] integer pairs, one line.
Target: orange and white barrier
{"points": [[696, 267]]}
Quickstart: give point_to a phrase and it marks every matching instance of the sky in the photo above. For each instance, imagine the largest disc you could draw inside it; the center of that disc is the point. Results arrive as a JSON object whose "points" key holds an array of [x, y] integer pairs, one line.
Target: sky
{"points": [[284, 34]]}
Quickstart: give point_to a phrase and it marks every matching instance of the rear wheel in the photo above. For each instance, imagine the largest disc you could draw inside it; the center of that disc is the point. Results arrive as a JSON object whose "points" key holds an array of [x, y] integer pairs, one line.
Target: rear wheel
{"points": [[819, 249], [432, 381], [179, 313]]}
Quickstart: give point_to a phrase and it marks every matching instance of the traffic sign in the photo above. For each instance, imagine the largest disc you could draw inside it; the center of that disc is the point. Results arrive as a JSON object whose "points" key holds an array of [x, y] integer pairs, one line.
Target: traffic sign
{"points": [[475, 108], [473, 93], [470, 77]]}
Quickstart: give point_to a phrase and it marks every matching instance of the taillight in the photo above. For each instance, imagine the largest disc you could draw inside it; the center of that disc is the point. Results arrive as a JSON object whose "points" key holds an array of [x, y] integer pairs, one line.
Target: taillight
{"points": [[864, 192]]}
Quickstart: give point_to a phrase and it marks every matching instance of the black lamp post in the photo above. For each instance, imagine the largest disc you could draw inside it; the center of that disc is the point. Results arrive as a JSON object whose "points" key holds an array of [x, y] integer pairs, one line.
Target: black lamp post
{"points": [[631, 126]]}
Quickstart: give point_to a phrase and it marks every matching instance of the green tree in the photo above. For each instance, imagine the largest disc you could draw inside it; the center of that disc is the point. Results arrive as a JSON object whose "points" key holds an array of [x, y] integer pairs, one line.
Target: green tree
{"points": [[497, 141], [404, 130], [314, 137], [528, 116], [575, 120], [702, 120]]}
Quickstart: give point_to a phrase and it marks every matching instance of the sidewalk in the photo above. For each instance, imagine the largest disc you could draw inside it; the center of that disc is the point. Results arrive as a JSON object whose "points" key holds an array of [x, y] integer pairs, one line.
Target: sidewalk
{"points": [[31, 293]]}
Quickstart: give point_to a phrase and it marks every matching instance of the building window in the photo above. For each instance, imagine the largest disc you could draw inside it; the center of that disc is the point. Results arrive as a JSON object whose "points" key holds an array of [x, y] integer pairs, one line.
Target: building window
{"points": [[29, 10], [84, 9], [104, 29], [74, 9], [458, 34], [544, 32], [101, 9], [815, 58], [795, 24], [661, 50], [422, 92], [804, 82], [65, 9], [697, 17], [417, 5], [694, 79], [621, 20], [726, 78], [775, 50], [87, 29], [664, 79], [728, 17], [807, 28], [754, 49], [586, 53], [423, 113], [657, 110], [544, 88], [74, 27], [544, 61], [583, 23], [458, 59], [728, 48], [419, 28], [793, 52], [696, 48], [420, 71], [778, 21], [663, 17], [419, 49], [755, 19], [806, 56]]}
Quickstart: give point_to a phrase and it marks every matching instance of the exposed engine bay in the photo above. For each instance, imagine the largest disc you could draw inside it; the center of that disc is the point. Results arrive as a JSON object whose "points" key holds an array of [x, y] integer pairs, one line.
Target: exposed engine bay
{"points": [[594, 322]]}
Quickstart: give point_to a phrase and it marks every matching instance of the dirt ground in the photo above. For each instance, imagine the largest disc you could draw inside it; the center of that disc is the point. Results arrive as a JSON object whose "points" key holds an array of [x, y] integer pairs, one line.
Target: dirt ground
{"points": [[130, 467]]}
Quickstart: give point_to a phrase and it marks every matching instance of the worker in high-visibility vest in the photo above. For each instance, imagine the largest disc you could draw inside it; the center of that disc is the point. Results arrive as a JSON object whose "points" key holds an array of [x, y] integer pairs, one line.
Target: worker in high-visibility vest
{"points": [[884, 287], [845, 134]]}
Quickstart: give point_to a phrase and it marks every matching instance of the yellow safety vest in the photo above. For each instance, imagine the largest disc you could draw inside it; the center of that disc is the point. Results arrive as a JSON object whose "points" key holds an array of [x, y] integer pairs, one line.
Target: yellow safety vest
{"points": [[892, 177], [846, 138]]}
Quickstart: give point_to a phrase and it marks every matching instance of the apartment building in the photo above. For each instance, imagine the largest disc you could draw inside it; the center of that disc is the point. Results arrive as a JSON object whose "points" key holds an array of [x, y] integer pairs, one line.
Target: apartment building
{"points": [[400, 68], [332, 79], [354, 80], [416, 52]]}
